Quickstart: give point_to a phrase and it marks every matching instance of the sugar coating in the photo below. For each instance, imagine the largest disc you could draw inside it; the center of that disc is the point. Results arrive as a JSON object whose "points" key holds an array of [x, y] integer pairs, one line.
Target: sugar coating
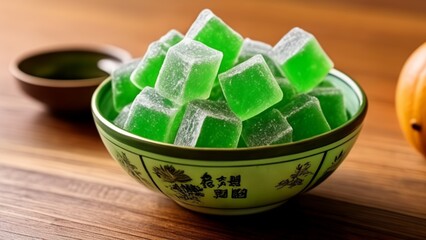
{"points": [[150, 99], [172, 37], [250, 88], [209, 124], [215, 33], [291, 44], [123, 90], [147, 71], [148, 68], [298, 103], [188, 71], [240, 68], [153, 116], [121, 118], [332, 104], [302, 60], [201, 21], [325, 91], [289, 92], [305, 116], [194, 52], [252, 47], [268, 128], [156, 48]]}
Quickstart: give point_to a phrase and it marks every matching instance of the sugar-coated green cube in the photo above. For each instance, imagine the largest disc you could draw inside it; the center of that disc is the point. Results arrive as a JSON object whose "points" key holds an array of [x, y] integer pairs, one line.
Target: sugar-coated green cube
{"points": [[332, 104], [188, 71], [215, 33], [209, 124], [121, 118], [302, 59], [305, 116], [267, 128], [146, 72], [289, 92], [172, 37], [154, 117], [250, 87], [123, 90], [253, 47]]}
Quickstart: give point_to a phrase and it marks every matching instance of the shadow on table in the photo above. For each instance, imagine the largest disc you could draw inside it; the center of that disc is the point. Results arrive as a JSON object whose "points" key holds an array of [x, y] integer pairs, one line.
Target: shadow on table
{"points": [[314, 217], [77, 124]]}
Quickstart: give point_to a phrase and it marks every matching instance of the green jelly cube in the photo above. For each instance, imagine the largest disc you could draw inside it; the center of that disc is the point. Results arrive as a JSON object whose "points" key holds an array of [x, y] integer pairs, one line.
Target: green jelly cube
{"points": [[332, 105], [172, 37], [250, 88], [289, 92], [252, 47], [188, 71], [209, 124], [213, 32], [121, 118], [302, 59], [146, 72], [305, 117], [123, 90], [326, 83], [153, 116], [268, 128]]}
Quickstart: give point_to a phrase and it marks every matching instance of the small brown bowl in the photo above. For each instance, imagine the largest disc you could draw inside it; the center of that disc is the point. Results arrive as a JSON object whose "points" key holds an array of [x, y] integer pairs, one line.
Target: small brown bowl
{"points": [[64, 78]]}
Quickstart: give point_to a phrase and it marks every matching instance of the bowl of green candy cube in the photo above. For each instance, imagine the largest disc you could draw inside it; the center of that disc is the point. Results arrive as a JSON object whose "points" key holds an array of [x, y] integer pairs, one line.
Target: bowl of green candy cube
{"points": [[228, 125]]}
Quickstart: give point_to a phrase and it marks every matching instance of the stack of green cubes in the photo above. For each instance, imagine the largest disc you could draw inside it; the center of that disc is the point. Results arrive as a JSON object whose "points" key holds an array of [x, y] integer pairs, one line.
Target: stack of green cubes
{"points": [[214, 89], [147, 71]]}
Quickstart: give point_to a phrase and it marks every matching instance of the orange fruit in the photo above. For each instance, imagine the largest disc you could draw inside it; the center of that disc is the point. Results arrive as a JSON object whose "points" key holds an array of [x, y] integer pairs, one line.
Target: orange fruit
{"points": [[411, 99]]}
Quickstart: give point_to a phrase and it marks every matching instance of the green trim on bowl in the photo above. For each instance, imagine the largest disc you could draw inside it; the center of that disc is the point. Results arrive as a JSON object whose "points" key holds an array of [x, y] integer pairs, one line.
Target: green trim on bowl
{"points": [[102, 120]]}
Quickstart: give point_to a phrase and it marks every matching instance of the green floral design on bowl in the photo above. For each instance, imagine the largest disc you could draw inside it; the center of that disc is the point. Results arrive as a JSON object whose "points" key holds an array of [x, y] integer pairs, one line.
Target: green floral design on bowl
{"points": [[232, 181]]}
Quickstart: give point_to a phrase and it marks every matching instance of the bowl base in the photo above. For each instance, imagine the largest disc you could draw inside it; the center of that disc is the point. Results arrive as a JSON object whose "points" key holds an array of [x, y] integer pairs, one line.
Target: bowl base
{"points": [[230, 211]]}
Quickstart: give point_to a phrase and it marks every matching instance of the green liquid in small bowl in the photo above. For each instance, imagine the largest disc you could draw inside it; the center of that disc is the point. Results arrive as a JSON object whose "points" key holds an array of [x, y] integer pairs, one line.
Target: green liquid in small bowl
{"points": [[66, 65]]}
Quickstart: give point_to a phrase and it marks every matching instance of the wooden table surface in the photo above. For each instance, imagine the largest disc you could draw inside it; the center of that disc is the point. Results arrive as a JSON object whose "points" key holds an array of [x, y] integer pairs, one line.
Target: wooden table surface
{"points": [[57, 180]]}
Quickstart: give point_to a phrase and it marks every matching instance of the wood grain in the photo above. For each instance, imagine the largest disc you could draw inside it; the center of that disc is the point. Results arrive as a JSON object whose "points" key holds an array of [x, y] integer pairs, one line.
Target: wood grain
{"points": [[58, 182]]}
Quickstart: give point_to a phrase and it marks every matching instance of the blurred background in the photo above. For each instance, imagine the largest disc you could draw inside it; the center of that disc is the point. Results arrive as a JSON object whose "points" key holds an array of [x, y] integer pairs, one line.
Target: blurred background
{"points": [[356, 34]]}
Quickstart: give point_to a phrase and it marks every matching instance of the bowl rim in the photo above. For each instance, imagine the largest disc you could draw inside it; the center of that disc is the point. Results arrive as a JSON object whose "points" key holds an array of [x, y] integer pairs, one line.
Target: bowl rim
{"points": [[247, 153], [114, 51]]}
